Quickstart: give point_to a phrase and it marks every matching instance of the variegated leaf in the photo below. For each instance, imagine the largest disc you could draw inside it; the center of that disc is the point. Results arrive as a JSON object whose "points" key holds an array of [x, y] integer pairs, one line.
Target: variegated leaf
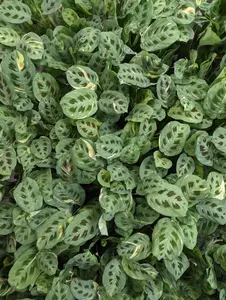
{"points": [[167, 239], [173, 137], [160, 35]]}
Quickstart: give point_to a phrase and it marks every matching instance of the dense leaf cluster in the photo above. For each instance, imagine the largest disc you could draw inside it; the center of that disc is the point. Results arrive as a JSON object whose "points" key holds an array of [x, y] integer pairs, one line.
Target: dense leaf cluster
{"points": [[112, 149]]}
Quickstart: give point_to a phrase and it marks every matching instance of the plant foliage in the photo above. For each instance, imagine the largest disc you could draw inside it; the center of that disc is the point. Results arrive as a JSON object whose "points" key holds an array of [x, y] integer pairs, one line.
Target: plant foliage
{"points": [[112, 149]]}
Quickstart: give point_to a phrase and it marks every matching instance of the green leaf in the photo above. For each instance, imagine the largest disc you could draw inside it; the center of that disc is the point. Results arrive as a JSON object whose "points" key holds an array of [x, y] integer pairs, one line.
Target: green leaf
{"points": [[9, 37], [204, 149], [185, 165], [113, 103], [32, 44], [219, 139], [214, 102], [144, 214], [6, 219], [190, 112], [69, 16], [216, 185], [152, 65], [41, 148], [47, 262], [190, 235], [132, 74], [82, 77], [24, 235], [27, 195], [109, 146], [219, 256], [154, 288], [113, 203], [69, 193], [114, 278], [59, 291], [118, 172], [213, 210], [166, 90], [45, 86], [7, 92], [194, 188], [83, 260], [185, 13], [161, 34], [8, 161], [83, 289], [209, 38], [39, 217], [136, 247], [162, 162], [177, 266], [111, 48], [52, 230], [14, 11], [173, 137], [167, 239], [140, 113], [24, 271], [20, 70], [79, 104], [50, 6], [87, 39], [130, 154], [83, 226], [167, 199], [139, 271]]}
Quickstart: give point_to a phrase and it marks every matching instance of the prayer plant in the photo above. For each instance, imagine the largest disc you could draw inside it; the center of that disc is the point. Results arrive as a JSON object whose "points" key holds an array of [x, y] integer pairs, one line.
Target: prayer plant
{"points": [[112, 149]]}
